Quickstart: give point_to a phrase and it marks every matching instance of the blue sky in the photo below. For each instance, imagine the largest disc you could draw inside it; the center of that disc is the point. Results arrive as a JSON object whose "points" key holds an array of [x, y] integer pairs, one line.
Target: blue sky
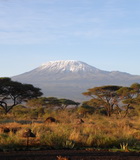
{"points": [[102, 33]]}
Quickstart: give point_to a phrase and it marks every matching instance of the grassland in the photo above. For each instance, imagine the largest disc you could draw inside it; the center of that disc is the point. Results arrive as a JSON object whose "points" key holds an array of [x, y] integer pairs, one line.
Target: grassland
{"points": [[98, 132]]}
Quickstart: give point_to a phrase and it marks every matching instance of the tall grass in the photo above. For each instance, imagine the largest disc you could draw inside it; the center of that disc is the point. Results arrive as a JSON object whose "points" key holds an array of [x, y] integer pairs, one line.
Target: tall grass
{"points": [[97, 132]]}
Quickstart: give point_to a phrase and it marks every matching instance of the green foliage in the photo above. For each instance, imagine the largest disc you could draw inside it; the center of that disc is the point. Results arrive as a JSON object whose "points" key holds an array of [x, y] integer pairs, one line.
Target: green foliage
{"points": [[36, 102], [33, 114], [13, 93], [84, 109], [51, 102], [64, 103], [104, 96], [111, 97]]}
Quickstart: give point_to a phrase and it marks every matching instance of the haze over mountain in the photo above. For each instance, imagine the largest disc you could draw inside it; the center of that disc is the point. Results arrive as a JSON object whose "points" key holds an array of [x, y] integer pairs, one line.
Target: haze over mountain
{"points": [[68, 79]]}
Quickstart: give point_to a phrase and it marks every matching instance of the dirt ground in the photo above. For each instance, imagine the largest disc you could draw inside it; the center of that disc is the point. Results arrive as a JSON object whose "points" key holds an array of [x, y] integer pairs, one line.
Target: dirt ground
{"points": [[68, 155]]}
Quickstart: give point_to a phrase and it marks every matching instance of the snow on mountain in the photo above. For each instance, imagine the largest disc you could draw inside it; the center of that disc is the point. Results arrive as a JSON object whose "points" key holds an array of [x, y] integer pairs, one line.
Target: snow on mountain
{"points": [[59, 70], [68, 79], [68, 66]]}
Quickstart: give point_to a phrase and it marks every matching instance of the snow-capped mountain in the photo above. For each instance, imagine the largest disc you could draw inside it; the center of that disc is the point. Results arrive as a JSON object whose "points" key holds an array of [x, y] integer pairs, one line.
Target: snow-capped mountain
{"points": [[68, 79], [68, 66]]}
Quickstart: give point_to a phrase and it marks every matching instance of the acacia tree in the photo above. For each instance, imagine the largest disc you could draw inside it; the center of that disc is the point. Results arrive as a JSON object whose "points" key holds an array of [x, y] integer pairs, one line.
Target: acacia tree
{"points": [[104, 96], [13, 93], [129, 96], [64, 103], [110, 97], [36, 102], [51, 102]]}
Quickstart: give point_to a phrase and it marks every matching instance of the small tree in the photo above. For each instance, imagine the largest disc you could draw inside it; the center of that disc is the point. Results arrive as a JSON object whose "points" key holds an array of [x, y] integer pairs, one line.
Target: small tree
{"points": [[13, 93], [64, 103], [53, 102], [36, 102], [86, 109]]}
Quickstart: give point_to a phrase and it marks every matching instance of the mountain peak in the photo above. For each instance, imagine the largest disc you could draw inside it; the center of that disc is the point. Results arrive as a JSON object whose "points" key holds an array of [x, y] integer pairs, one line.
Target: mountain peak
{"points": [[68, 66], [70, 78]]}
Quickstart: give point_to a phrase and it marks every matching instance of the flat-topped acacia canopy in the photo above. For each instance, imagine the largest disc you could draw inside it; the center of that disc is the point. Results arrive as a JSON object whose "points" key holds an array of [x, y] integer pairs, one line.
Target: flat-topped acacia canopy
{"points": [[13, 93]]}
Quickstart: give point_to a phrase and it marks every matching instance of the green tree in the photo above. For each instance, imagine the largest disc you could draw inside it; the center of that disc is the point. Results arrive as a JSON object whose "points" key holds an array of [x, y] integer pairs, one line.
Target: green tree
{"points": [[64, 103], [36, 102], [104, 96], [130, 96], [13, 93], [86, 109], [114, 97], [53, 102]]}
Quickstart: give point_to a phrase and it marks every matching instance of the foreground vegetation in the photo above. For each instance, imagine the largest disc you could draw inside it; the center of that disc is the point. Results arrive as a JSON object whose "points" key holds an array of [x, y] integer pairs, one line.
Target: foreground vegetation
{"points": [[109, 120], [97, 131]]}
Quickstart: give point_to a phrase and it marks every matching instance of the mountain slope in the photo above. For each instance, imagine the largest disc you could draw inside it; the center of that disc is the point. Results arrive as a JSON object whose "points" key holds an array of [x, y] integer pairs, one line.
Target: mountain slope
{"points": [[68, 79]]}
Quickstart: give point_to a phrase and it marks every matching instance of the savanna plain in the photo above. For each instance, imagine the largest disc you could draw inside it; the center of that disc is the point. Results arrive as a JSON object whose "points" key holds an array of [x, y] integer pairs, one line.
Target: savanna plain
{"points": [[33, 127], [75, 134]]}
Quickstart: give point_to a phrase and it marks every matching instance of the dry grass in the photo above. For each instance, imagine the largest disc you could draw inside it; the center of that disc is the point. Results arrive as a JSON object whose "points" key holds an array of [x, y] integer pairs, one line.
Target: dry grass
{"points": [[62, 158], [96, 131]]}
